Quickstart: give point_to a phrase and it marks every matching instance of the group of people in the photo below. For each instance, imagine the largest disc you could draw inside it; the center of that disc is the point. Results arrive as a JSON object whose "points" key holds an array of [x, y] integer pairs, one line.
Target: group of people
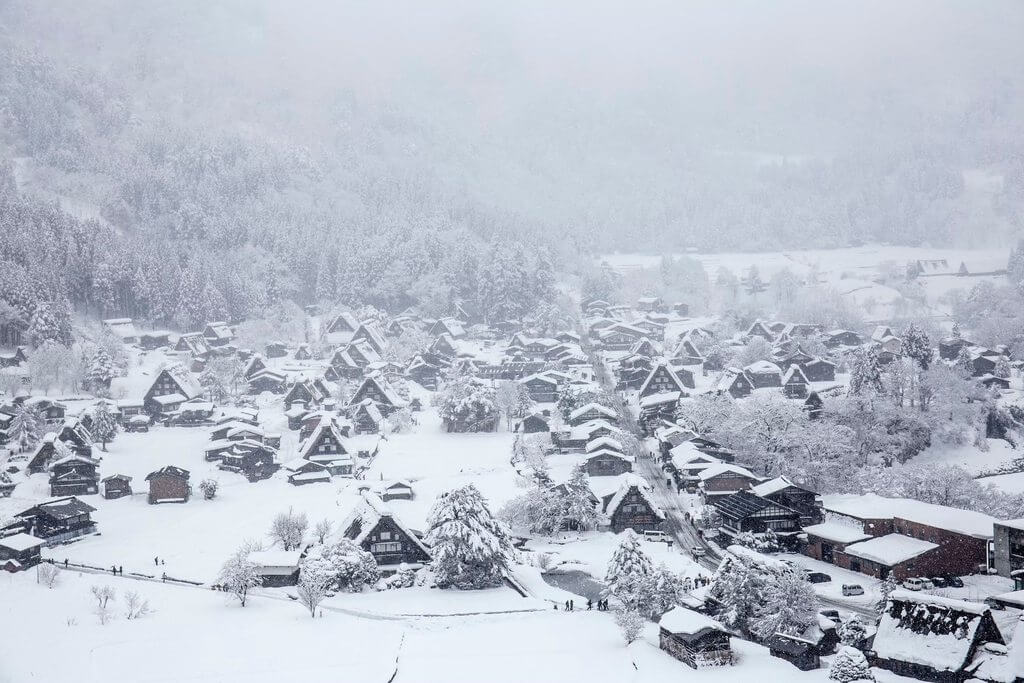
{"points": [[117, 571], [570, 605]]}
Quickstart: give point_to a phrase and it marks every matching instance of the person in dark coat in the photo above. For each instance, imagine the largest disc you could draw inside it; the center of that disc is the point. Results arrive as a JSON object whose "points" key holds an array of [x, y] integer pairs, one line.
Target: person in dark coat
{"points": [[590, 604]]}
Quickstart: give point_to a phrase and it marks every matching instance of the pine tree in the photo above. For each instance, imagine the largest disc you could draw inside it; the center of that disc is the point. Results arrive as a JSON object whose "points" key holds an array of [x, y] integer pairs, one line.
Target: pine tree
{"points": [[917, 346], [1002, 368], [104, 426], [101, 371], [852, 632], [471, 549], [885, 589], [579, 511], [866, 372], [26, 427], [964, 363], [850, 665], [628, 570]]}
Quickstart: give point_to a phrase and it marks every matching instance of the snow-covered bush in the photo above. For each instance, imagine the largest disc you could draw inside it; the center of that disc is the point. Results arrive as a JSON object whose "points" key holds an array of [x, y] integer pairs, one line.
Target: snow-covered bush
{"points": [[850, 665], [630, 623], [347, 566], [209, 488]]}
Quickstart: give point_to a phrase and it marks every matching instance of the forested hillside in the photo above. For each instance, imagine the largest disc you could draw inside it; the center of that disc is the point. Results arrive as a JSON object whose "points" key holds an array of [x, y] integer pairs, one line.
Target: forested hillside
{"points": [[247, 151]]}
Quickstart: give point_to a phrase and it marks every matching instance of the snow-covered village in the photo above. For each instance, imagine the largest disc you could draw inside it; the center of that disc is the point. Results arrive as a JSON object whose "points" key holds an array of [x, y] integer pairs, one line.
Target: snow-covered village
{"points": [[423, 343]]}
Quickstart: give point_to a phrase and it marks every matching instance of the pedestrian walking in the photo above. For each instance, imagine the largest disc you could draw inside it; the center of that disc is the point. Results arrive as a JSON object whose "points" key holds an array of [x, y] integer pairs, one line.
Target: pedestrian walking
{"points": [[556, 606], [120, 570], [113, 570], [156, 561], [566, 605], [590, 604], [65, 563], [572, 605]]}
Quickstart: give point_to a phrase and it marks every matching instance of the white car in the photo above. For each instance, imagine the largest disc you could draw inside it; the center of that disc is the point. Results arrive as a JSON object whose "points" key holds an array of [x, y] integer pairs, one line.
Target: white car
{"points": [[656, 536], [916, 584]]}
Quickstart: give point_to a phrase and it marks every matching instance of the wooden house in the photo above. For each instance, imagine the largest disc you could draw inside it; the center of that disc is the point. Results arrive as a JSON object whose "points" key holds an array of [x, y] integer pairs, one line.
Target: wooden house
{"points": [[783, 491], [169, 484], [663, 379], [326, 445], [449, 326], [764, 374], [423, 372], [52, 412], [819, 370], [150, 341], [19, 552], [368, 332], [632, 507], [194, 344], [367, 417], [302, 472], [395, 490], [373, 527], [650, 304], [275, 349], [302, 352], [798, 651], [254, 365], [74, 475], [760, 329], [724, 480], [58, 520], [592, 411], [341, 328], [949, 348], [276, 568], [693, 638], [306, 392], [123, 329], [74, 434], [218, 333], [794, 383], [542, 387], [47, 451], [687, 353], [735, 382], [607, 462], [835, 339], [534, 423], [172, 386], [744, 511], [250, 458], [14, 358], [116, 486], [375, 389], [931, 638], [266, 380]]}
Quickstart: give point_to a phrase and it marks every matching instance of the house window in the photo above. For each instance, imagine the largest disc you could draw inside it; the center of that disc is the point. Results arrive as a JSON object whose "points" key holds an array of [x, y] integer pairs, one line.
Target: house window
{"points": [[392, 547], [385, 535]]}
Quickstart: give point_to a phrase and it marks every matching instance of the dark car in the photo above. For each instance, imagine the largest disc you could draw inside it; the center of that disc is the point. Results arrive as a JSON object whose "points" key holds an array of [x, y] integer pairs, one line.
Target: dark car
{"points": [[818, 577], [832, 614], [994, 604], [953, 581], [939, 581]]}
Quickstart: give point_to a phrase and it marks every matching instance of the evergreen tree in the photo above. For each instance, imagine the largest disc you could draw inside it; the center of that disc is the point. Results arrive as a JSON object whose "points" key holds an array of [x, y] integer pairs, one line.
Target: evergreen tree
{"points": [[850, 665], [852, 632], [26, 426], [885, 589], [866, 371], [101, 371], [579, 511], [50, 322], [628, 570], [917, 346], [964, 363], [471, 549], [1002, 368], [104, 426]]}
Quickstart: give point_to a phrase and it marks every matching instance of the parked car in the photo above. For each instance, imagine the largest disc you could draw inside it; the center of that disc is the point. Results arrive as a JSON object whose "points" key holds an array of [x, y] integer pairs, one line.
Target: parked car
{"points": [[656, 535], [832, 614], [137, 423], [917, 584], [938, 581], [953, 581], [818, 577], [852, 589], [926, 584], [697, 552]]}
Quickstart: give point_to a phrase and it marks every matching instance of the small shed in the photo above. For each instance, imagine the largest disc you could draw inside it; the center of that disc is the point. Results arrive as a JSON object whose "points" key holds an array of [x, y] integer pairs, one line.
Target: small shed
{"points": [[803, 654], [693, 638], [169, 485], [117, 486], [20, 552]]}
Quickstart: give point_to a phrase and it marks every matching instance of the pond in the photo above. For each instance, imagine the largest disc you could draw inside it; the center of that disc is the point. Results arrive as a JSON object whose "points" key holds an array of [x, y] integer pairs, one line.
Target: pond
{"points": [[576, 581]]}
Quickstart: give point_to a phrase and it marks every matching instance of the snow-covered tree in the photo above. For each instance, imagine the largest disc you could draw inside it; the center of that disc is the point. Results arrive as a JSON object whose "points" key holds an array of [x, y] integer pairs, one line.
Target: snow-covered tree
{"points": [[660, 591], [465, 405], [26, 427], [209, 488], [347, 566], [852, 632], [239, 574], [104, 426], [888, 585], [849, 665], [917, 346], [630, 623], [1002, 368], [100, 372], [214, 387], [537, 511], [578, 509], [289, 528], [513, 400], [471, 549], [313, 586], [135, 606], [322, 530], [866, 371], [788, 604], [628, 570]]}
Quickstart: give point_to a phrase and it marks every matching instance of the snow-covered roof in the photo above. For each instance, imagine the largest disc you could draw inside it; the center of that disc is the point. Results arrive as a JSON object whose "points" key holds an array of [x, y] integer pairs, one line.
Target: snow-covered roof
{"points": [[873, 506], [763, 367], [604, 442], [593, 407], [659, 398], [628, 482], [891, 549], [794, 372], [723, 468], [276, 558], [911, 637], [834, 531], [369, 512], [767, 488], [681, 620], [169, 399], [20, 542]]}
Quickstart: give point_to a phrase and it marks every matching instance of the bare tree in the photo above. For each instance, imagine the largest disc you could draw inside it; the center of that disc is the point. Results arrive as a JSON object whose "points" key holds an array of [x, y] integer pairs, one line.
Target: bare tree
{"points": [[135, 606], [238, 574], [322, 530], [47, 574], [103, 595], [288, 529], [630, 623]]}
